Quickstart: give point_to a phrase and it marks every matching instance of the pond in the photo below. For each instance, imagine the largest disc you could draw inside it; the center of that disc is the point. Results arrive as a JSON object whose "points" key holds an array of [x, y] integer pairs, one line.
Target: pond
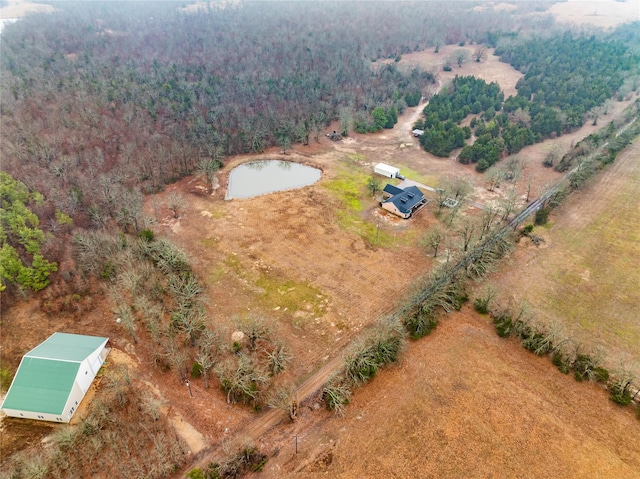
{"points": [[268, 176]]}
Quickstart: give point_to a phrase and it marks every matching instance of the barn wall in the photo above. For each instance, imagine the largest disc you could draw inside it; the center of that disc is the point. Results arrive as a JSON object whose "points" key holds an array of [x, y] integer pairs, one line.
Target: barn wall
{"points": [[75, 398], [38, 416]]}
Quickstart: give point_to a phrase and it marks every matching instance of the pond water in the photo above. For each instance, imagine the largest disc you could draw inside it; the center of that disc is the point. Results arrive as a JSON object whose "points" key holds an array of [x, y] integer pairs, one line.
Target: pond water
{"points": [[267, 176]]}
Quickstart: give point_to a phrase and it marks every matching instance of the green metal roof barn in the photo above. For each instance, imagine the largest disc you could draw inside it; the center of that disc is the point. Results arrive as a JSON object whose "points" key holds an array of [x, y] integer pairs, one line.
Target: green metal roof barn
{"points": [[53, 377]]}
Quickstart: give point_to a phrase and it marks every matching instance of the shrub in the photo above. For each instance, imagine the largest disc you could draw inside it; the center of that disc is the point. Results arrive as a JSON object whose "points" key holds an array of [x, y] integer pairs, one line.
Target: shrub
{"points": [[196, 473], [336, 394], [420, 323], [538, 343], [196, 370], [371, 354], [503, 324], [586, 367], [542, 216], [561, 362], [601, 375], [147, 235], [5, 379], [527, 230], [481, 305], [620, 392]]}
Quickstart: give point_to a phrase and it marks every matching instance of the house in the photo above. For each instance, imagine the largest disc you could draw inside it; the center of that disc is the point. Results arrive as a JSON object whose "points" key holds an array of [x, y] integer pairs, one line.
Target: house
{"points": [[403, 202], [386, 170], [53, 377]]}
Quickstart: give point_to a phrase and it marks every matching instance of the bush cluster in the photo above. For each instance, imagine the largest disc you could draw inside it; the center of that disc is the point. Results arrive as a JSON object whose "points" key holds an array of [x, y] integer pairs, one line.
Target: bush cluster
{"points": [[542, 341]]}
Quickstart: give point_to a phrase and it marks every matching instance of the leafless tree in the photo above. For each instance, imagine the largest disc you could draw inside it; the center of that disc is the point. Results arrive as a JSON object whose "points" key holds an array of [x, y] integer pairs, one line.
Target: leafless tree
{"points": [[466, 231], [480, 53], [494, 178], [433, 239], [176, 202], [285, 399], [277, 358], [242, 381], [508, 203], [175, 355], [207, 355], [459, 56], [254, 328]]}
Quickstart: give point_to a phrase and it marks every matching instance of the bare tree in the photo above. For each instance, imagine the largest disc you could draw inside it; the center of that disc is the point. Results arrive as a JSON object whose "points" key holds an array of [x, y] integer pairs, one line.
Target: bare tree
{"points": [[208, 349], [508, 203], [489, 217], [513, 169], [176, 356], [459, 187], [480, 53], [494, 178], [433, 239], [277, 358], [243, 381], [459, 56], [176, 202], [285, 399], [466, 230], [208, 168], [255, 328], [346, 119]]}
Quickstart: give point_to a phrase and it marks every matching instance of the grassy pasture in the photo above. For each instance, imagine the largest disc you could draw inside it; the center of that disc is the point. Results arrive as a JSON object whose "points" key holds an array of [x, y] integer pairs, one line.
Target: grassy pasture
{"points": [[586, 276]]}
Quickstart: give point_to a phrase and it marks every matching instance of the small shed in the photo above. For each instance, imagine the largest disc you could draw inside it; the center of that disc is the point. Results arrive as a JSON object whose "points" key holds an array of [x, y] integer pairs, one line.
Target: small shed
{"points": [[417, 132], [386, 170], [54, 377]]}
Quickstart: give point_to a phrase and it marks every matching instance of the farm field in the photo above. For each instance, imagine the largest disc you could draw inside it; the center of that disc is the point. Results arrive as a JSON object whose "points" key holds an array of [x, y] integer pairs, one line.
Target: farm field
{"points": [[464, 403], [602, 13], [585, 277]]}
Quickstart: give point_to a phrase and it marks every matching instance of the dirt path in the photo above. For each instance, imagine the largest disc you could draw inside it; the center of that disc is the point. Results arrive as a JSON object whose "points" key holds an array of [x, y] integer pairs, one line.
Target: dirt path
{"points": [[270, 418]]}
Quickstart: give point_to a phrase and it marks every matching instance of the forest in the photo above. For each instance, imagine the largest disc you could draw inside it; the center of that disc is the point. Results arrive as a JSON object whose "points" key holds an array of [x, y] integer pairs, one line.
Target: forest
{"points": [[567, 80]]}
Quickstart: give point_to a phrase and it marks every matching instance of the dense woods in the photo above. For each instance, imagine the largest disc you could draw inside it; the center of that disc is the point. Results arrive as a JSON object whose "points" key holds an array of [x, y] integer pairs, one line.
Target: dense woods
{"points": [[568, 79]]}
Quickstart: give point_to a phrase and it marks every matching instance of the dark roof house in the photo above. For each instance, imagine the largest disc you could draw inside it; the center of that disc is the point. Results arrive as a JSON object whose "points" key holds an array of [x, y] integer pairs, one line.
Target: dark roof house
{"points": [[403, 202]]}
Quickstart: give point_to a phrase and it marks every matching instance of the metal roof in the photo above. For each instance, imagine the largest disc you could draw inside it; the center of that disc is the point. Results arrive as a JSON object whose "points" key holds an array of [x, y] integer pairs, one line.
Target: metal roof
{"points": [[66, 347], [406, 199], [47, 373], [41, 385], [392, 190]]}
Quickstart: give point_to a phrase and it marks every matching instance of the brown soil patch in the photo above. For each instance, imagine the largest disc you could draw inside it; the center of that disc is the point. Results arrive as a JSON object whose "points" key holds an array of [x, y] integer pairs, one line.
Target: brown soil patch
{"points": [[466, 404], [490, 69], [601, 13]]}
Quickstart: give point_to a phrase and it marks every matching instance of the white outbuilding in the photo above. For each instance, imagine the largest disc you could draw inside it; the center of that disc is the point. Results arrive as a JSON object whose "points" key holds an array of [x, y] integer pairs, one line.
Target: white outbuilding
{"points": [[53, 377], [386, 170]]}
